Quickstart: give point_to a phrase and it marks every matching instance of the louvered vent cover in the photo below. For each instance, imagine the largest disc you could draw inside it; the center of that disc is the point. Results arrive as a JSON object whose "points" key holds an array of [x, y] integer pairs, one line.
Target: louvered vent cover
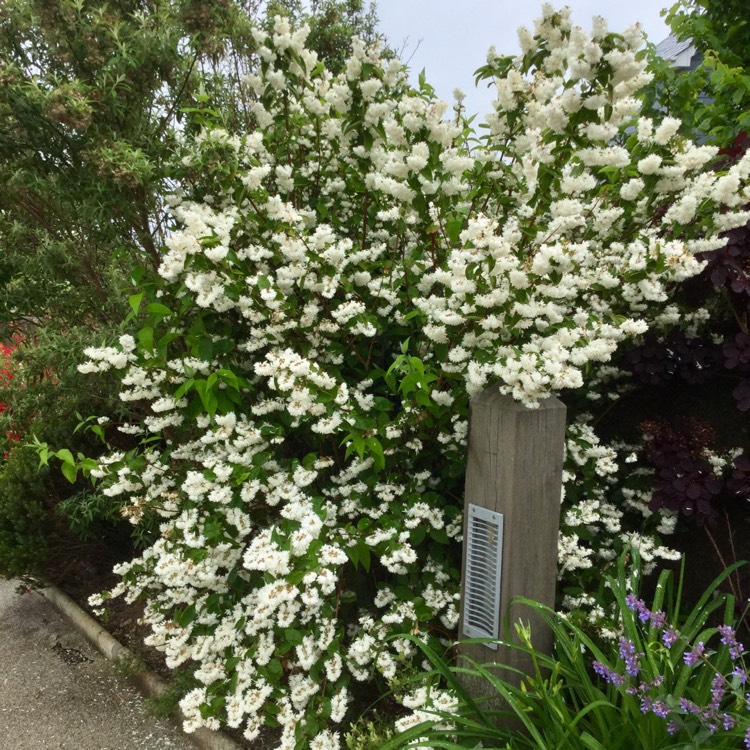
{"points": [[484, 560]]}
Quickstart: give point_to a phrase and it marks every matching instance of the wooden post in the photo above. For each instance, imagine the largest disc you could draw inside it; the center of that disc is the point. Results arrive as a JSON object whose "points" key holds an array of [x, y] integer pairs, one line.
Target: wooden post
{"points": [[514, 467]]}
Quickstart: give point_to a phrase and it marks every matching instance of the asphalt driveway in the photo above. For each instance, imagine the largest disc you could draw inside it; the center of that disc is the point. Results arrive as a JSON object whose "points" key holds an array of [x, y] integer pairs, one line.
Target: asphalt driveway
{"points": [[58, 693]]}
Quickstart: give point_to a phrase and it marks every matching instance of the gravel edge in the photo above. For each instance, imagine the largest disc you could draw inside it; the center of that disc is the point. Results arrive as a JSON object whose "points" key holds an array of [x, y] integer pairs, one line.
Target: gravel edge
{"points": [[150, 684]]}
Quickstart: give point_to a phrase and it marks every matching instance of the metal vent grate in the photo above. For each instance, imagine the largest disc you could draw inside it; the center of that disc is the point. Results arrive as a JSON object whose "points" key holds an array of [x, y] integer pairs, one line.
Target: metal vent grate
{"points": [[484, 560]]}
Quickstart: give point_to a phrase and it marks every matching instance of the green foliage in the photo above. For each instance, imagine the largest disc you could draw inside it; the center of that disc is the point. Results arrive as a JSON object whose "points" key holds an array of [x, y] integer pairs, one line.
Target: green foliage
{"points": [[166, 704], [46, 515], [85, 509], [713, 99], [719, 25], [368, 735], [27, 529], [564, 704]]}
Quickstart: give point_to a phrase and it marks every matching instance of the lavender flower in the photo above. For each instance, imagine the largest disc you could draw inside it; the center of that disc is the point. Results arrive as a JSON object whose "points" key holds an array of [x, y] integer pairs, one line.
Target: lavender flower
{"points": [[630, 657], [728, 721], [691, 657], [639, 606], [608, 674], [718, 691], [689, 707], [669, 637], [644, 613], [729, 638], [658, 619], [727, 635]]}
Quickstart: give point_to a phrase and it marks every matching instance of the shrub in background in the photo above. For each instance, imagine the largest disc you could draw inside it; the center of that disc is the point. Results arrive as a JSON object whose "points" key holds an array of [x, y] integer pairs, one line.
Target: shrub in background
{"points": [[26, 526]]}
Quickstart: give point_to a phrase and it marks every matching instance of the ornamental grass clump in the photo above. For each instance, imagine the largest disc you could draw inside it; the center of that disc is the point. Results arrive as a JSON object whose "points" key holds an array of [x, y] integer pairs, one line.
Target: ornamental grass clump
{"points": [[336, 286], [670, 680]]}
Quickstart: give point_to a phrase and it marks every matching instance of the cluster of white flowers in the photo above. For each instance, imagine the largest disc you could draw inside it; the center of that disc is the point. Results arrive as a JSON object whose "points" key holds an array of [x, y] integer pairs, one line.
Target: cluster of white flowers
{"points": [[605, 510], [605, 507], [359, 270], [425, 703]]}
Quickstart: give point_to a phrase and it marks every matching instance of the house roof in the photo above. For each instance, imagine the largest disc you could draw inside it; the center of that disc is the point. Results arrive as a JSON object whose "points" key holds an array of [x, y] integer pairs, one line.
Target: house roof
{"points": [[675, 51]]}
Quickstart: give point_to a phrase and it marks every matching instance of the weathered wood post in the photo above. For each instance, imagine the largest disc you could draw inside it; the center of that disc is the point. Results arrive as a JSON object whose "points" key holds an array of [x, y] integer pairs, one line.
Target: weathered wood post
{"points": [[514, 469]]}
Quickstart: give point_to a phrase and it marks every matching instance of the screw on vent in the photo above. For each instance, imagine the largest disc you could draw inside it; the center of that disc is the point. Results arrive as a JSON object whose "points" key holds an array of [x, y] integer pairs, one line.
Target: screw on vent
{"points": [[484, 560]]}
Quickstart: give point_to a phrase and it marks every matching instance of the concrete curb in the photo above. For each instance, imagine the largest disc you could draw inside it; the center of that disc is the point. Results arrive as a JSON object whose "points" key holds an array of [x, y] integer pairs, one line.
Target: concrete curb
{"points": [[148, 683]]}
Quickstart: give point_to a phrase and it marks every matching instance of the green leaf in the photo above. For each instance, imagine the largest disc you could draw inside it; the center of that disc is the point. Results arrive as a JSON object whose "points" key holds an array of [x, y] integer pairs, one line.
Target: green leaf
{"points": [[375, 449], [365, 556], [418, 534], [183, 389], [359, 445], [158, 309], [146, 337], [293, 636], [228, 377], [260, 459], [205, 348], [164, 342], [70, 472], [275, 669], [65, 456], [88, 464], [135, 302], [439, 536], [453, 229], [183, 617]]}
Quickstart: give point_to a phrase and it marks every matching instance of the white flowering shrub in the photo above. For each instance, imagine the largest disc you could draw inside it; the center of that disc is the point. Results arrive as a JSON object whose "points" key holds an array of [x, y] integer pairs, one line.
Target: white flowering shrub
{"points": [[339, 283]]}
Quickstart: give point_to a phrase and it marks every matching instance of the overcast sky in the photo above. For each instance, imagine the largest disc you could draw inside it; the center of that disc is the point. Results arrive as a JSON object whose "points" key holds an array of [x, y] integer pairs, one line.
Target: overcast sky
{"points": [[453, 36]]}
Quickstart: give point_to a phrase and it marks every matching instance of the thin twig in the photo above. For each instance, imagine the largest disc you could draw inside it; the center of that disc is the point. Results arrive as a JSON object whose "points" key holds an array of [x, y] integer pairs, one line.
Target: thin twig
{"points": [[721, 560]]}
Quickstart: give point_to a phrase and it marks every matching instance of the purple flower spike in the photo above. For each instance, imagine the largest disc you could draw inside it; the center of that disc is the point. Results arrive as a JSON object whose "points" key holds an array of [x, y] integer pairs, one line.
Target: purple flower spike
{"points": [[689, 707], [727, 635], [718, 691], [669, 637], [630, 657], [658, 619], [608, 674], [691, 657], [729, 638], [639, 607]]}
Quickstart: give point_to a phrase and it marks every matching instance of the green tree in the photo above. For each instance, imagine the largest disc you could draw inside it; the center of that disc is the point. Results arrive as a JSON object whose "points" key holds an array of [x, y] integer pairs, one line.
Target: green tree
{"points": [[719, 26], [96, 99], [714, 99]]}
